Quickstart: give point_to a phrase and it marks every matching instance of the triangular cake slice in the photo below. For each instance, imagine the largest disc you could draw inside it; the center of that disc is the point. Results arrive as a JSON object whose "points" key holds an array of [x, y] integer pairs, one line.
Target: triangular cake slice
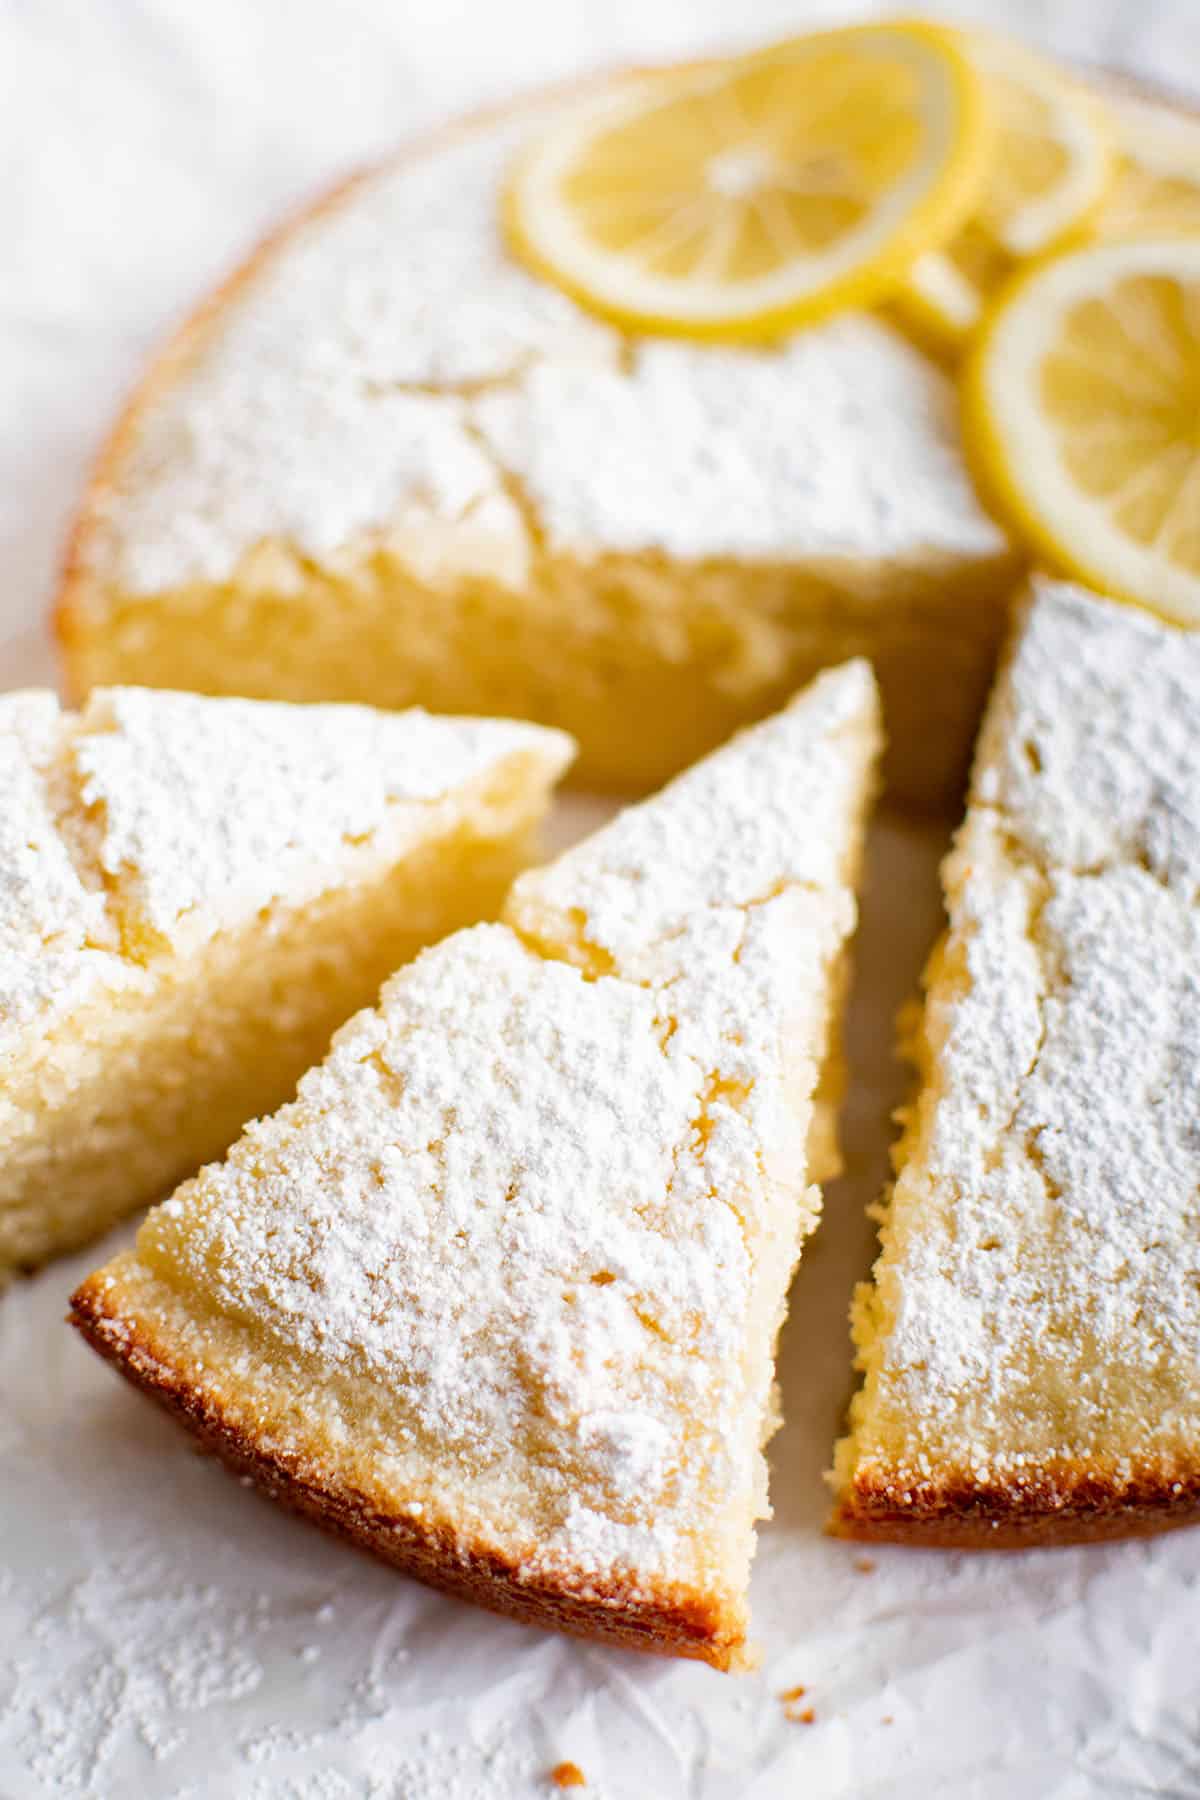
{"points": [[1031, 1344], [194, 894], [497, 1296]]}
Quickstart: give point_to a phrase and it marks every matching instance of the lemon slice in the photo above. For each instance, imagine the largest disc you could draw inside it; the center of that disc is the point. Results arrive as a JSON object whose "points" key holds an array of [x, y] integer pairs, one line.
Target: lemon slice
{"points": [[1156, 192], [1082, 416], [1049, 169], [741, 198]]}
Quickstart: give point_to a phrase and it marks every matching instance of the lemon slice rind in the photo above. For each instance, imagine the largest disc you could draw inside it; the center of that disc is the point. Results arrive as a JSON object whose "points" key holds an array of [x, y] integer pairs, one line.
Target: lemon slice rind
{"points": [[1156, 189], [1016, 451], [943, 303], [864, 262]]}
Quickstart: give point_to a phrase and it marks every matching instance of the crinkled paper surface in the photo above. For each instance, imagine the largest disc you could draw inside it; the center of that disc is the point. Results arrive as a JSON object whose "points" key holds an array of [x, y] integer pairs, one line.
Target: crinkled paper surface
{"points": [[165, 1633]]}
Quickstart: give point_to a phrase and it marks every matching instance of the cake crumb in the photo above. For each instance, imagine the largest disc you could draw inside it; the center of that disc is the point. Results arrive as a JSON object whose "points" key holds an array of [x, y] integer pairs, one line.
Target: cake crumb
{"points": [[568, 1775], [789, 1697], [865, 1565], [887, 1719]]}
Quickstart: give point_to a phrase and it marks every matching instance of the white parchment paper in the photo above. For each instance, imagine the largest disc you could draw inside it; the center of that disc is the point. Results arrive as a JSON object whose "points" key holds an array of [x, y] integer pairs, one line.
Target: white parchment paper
{"points": [[165, 1633]]}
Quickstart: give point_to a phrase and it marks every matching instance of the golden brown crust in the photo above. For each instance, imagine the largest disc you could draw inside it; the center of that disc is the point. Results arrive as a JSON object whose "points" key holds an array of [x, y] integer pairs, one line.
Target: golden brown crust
{"points": [[667, 1622], [1065, 1503]]}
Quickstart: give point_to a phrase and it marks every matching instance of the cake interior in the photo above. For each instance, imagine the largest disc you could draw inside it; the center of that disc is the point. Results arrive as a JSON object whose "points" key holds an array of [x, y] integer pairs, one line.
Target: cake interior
{"points": [[157, 1074], [649, 662]]}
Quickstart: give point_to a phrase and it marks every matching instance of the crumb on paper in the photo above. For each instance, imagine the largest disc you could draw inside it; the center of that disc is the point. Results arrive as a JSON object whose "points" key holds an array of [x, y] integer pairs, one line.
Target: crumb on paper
{"points": [[887, 1719], [568, 1775], [793, 1715], [865, 1565]]}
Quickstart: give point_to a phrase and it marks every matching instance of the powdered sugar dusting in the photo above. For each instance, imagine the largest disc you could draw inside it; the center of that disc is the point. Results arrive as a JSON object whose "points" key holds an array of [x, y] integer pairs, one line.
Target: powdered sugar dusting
{"points": [[55, 934], [70, 1697], [145, 1647], [304, 418], [842, 444], [413, 1695], [197, 813], [223, 806], [1049, 1305], [258, 451], [550, 1216], [408, 279], [390, 368], [723, 834], [1091, 748]]}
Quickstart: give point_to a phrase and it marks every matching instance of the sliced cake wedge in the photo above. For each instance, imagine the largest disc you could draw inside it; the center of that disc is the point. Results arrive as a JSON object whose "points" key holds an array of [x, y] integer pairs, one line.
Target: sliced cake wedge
{"points": [[497, 1296], [194, 894], [1031, 1342]]}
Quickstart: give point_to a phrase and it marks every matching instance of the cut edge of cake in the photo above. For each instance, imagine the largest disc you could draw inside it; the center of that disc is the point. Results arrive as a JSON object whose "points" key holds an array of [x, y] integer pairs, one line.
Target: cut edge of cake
{"points": [[596, 1575], [195, 894]]}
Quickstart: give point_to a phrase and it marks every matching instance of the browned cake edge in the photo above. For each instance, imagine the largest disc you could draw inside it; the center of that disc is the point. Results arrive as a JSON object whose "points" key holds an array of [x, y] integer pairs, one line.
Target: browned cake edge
{"points": [[1066, 1502], [670, 1620]]}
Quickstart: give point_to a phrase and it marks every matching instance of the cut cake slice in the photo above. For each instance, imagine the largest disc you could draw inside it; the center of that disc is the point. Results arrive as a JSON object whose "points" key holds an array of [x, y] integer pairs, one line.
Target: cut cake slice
{"points": [[1031, 1344], [497, 1296], [193, 895]]}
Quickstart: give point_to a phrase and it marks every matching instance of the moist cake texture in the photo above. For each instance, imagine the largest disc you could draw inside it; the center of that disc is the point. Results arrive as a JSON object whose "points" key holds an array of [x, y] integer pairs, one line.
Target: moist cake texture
{"points": [[497, 1295], [1031, 1343], [386, 464], [193, 895]]}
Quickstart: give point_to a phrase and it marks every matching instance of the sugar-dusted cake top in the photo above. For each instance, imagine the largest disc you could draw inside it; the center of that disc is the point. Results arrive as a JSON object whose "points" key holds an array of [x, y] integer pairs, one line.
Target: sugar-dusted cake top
{"points": [[1039, 1295], [547, 1213], [389, 370], [840, 443], [154, 819], [56, 936], [231, 804], [1092, 748], [729, 832]]}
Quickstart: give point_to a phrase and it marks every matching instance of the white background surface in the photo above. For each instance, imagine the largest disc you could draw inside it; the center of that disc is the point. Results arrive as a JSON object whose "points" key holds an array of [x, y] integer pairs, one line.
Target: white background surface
{"points": [[163, 1633]]}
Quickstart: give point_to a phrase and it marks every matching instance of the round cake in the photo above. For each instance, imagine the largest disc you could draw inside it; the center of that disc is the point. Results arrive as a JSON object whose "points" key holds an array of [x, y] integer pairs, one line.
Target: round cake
{"points": [[385, 463]]}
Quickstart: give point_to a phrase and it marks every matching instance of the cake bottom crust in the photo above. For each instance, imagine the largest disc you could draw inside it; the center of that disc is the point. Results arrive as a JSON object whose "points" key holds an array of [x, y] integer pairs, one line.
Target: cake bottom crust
{"points": [[1068, 1504], [667, 1620]]}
